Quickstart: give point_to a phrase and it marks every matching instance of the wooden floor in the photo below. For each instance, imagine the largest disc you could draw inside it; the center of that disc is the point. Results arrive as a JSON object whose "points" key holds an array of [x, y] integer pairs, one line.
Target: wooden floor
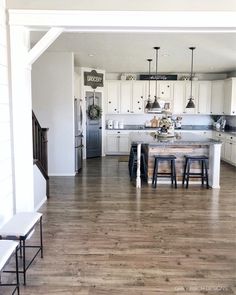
{"points": [[104, 237]]}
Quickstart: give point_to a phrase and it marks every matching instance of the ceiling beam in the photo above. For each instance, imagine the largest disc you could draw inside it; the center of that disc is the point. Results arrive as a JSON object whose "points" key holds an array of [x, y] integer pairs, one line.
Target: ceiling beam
{"points": [[73, 20], [43, 44]]}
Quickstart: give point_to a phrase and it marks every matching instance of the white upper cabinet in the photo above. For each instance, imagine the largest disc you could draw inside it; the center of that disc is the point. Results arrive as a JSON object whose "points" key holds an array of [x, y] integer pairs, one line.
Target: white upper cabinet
{"points": [[178, 97], [126, 97], [204, 97], [217, 97], [138, 98], [165, 90], [113, 97], [230, 96]]}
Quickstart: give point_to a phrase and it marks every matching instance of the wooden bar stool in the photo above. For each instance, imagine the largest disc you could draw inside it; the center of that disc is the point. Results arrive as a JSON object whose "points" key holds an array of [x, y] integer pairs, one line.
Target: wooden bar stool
{"points": [[133, 163], [172, 174], [203, 174], [7, 250]]}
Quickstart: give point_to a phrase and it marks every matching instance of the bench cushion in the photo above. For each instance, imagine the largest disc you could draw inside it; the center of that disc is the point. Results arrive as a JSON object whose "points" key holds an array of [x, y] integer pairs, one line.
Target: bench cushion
{"points": [[20, 224], [6, 250]]}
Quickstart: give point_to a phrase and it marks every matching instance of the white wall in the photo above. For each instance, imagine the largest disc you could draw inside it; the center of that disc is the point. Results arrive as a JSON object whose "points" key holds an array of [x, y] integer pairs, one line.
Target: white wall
{"points": [[53, 101], [6, 178]]}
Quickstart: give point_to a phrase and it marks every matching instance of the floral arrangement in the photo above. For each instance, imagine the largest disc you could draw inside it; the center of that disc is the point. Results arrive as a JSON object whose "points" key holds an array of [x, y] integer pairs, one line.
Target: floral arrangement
{"points": [[94, 112], [165, 123]]}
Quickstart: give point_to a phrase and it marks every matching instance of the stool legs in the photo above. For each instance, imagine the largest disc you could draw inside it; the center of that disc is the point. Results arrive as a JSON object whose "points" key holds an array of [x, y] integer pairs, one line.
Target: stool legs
{"points": [[17, 274], [172, 173], [187, 173]]}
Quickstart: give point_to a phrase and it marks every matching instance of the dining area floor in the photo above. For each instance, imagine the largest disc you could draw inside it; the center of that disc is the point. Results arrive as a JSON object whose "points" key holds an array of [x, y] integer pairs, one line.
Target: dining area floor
{"points": [[102, 236]]}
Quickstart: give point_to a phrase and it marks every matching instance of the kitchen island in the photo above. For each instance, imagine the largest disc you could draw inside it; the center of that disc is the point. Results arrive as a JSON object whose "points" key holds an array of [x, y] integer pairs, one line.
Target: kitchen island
{"points": [[178, 145]]}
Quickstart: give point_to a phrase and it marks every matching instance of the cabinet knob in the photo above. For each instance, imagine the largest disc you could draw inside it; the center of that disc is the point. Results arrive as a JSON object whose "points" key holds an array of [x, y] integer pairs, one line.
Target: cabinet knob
{"points": [[233, 112], [198, 112], [141, 96], [138, 101], [139, 108], [127, 111], [109, 101], [162, 92], [168, 86]]}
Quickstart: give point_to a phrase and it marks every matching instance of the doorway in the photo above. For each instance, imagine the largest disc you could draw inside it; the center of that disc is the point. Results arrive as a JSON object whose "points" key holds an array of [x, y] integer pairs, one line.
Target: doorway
{"points": [[93, 126]]}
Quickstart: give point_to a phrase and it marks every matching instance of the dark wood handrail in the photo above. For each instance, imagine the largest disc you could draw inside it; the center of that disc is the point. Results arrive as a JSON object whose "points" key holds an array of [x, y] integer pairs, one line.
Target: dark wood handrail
{"points": [[40, 148]]}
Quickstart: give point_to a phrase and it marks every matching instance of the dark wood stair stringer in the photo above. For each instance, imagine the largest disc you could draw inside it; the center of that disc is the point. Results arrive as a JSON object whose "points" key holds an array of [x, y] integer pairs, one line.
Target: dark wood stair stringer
{"points": [[40, 149]]}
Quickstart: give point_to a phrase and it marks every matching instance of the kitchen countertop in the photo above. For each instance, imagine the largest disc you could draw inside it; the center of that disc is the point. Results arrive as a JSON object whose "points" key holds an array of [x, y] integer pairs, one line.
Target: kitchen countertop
{"points": [[186, 138], [184, 128]]}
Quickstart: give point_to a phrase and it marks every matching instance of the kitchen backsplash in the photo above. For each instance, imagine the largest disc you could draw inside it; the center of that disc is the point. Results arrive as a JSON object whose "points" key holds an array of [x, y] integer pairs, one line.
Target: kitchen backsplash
{"points": [[140, 119]]}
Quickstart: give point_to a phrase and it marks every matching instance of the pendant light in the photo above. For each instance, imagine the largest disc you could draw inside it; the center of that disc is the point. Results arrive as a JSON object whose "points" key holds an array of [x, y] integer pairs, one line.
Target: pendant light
{"points": [[190, 104], [149, 105], [156, 105]]}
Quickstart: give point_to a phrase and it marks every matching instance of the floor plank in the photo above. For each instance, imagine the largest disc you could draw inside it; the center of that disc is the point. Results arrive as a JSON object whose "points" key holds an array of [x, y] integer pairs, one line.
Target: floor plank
{"points": [[102, 236]]}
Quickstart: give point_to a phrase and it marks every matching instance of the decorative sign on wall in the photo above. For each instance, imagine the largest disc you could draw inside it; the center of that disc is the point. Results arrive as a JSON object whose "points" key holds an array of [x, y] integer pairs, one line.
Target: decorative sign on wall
{"points": [[93, 79], [158, 77]]}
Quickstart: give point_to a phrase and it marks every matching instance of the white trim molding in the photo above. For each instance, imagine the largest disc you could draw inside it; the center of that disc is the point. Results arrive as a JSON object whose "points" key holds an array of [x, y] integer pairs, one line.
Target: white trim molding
{"points": [[176, 21], [43, 44]]}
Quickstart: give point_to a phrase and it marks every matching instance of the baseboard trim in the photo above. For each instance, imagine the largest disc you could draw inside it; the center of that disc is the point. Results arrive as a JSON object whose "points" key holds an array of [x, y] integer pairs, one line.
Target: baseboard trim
{"points": [[40, 204], [62, 174]]}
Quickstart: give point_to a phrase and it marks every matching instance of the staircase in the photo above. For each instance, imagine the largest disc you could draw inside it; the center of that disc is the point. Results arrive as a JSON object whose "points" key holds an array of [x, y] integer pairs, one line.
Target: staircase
{"points": [[40, 148]]}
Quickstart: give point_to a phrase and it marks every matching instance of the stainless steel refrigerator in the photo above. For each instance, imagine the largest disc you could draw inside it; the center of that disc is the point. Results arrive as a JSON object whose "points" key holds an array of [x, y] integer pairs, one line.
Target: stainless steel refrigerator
{"points": [[78, 115]]}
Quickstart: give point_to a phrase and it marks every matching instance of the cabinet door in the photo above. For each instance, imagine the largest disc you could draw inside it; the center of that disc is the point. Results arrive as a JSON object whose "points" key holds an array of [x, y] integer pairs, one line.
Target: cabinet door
{"points": [[227, 150], [195, 96], [138, 97], [204, 98], [113, 96], [125, 97], [165, 90], [111, 144], [230, 96], [217, 97], [233, 153], [178, 97], [124, 144]]}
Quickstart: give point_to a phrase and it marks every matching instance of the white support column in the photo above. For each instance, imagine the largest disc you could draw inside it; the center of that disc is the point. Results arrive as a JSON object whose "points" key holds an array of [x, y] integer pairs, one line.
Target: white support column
{"points": [[214, 165], [22, 119], [43, 44]]}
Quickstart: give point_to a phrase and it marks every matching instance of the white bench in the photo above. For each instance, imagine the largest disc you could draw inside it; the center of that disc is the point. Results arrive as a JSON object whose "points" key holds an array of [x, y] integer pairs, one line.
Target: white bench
{"points": [[7, 249], [19, 228]]}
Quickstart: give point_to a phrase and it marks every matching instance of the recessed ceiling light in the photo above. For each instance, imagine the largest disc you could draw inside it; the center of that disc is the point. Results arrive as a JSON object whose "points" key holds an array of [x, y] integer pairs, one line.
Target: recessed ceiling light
{"points": [[90, 54]]}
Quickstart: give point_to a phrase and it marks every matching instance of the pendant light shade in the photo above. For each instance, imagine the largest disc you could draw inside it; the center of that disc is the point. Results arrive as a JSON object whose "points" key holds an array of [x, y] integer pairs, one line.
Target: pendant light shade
{"points": [[149, 104], [190, 104], [156, 105]]}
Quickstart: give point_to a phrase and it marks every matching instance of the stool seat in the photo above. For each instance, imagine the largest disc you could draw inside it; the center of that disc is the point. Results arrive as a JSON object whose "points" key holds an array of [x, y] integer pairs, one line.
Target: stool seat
{"points": [[20, 224], [171, 174], [165, 157], [195, 157], [6, 250]]}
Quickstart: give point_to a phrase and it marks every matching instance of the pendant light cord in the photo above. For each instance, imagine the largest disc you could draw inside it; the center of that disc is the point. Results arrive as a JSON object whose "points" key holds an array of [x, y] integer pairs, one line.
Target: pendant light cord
{"points": [[149, 82], [156, 48], [191, 74]]}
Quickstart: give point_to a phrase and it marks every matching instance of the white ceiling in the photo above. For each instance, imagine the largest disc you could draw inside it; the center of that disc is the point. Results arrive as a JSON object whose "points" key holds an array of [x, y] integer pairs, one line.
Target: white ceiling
{"points": [[198, 5], [127, 52]]}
